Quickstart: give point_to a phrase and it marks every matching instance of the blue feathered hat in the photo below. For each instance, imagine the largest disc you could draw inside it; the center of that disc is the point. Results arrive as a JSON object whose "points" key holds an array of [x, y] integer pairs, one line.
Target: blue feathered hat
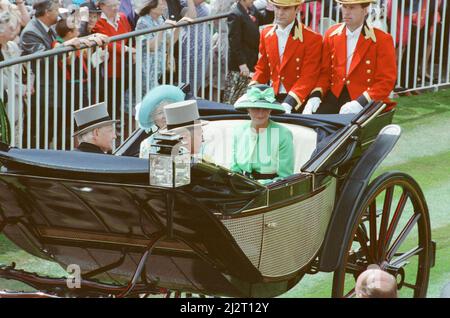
{"points": [[152, 100]]}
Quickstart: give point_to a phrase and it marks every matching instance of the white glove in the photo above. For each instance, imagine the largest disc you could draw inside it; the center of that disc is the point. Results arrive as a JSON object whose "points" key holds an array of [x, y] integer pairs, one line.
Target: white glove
{"points": [[287, 108], [98, 57], [352, 107], [312, 105]]}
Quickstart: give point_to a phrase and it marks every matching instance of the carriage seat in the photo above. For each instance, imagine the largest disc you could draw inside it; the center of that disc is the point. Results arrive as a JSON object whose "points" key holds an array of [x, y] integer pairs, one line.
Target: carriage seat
{"points": [[218, 138]]}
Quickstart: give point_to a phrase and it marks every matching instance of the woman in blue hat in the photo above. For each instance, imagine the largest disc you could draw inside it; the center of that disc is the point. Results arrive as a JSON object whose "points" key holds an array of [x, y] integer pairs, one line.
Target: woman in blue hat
{"points": [[150, 114], [262, 149]]}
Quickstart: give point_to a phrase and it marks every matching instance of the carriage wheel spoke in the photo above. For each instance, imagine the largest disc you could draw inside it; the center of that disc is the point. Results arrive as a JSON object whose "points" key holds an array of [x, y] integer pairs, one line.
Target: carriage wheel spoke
{"points": [[414, 287], [397, 236], [373, 229], [395, 219], [351, 294], [402, 236], [406, 256], [384, 221]]}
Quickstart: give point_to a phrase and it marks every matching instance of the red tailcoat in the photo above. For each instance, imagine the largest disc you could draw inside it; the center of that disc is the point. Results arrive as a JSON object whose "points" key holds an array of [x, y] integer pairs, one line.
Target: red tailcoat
{"points": [[299, 69], [373, 69]]}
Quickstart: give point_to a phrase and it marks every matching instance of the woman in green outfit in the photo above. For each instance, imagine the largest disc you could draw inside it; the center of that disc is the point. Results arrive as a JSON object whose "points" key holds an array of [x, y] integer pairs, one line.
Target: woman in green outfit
{"points": [[262, 149]]}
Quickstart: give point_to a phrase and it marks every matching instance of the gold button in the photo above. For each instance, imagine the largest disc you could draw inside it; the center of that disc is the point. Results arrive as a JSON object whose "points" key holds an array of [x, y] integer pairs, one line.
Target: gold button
{"points": [[297, 59], [332, 56], [282, 78], [348, 82], [343, 79], [367, 62], [298, 68], [368, 81], [298, 76], [369, 71], [279, 76]]}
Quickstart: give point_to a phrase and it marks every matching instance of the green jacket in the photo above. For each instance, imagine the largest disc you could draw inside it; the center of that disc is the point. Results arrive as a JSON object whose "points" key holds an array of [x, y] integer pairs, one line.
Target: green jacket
{"points": [[270, 151]]}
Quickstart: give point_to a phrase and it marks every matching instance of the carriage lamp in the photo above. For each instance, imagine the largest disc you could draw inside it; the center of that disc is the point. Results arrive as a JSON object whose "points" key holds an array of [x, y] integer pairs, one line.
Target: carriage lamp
{"points": [[170, 163]]}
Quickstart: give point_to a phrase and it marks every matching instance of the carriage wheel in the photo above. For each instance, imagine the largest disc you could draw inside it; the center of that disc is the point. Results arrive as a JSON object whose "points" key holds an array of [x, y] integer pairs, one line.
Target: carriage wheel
{"points": [[392, 231]]}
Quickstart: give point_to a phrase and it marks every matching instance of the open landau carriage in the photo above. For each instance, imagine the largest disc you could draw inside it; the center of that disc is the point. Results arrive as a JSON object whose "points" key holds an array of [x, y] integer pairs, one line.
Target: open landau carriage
{"points": [[222, 234]]}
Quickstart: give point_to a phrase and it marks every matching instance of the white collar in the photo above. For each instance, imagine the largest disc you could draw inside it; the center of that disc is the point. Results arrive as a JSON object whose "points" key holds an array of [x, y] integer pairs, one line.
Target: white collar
{"points": [[356, 33], [114, 23], [287, 29], [46, 27]]}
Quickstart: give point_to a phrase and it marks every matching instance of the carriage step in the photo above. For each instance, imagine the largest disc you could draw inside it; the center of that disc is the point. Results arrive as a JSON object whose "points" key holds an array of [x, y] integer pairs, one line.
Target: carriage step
{"points": [[432, 254]]}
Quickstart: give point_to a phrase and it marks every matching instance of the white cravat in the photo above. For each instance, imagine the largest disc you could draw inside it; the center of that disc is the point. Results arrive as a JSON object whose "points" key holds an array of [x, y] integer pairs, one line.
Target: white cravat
{"points": [[283, 35], [352, 41]]}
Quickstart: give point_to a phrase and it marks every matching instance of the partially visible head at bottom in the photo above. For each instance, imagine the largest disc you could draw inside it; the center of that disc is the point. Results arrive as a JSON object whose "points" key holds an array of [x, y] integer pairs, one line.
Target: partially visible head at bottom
{"points": [[376, 283]]}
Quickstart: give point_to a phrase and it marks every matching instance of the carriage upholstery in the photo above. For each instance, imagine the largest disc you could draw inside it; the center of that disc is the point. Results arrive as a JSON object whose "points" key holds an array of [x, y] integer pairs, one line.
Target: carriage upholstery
{"points": [[218, 136]]}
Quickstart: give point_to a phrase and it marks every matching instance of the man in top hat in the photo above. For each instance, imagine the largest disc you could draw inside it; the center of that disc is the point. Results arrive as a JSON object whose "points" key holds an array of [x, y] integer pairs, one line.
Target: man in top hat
{"points": [[96, 131], [289, 56], [183, 118], [358, 64]]}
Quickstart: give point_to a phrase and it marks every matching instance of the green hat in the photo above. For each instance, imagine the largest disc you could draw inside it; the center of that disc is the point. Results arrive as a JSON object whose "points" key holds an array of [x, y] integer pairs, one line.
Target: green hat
{"points": [[259, 96]]}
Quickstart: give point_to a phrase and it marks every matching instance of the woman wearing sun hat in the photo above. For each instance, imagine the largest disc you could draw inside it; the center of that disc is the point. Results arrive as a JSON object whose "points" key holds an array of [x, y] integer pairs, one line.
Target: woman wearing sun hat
{"points": [[262, 149], [150, 113]]}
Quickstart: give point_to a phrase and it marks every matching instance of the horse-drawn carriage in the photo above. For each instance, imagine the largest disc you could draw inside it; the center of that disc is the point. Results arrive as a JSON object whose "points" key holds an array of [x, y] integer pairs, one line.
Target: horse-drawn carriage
{"points": [[222, 234]]}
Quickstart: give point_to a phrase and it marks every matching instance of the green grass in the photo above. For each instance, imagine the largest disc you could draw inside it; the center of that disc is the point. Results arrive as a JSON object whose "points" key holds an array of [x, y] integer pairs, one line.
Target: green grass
{"points": [[423, 152]]}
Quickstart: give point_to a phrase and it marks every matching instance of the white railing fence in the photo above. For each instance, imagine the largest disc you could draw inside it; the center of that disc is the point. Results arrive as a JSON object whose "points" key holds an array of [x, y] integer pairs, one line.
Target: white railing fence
{"points": [[42, 90], [420, 29]]}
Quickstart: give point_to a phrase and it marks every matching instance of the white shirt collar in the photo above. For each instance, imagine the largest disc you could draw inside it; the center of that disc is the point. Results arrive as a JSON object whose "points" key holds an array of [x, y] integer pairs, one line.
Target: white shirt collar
{"points": [[115, 23], [286, 30], [44, 25], [355, 33]]}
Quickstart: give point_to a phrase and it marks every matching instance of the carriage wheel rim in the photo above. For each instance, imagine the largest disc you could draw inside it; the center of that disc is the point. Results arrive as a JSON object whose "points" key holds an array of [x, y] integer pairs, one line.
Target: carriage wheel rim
{"points": [[378, 253]]}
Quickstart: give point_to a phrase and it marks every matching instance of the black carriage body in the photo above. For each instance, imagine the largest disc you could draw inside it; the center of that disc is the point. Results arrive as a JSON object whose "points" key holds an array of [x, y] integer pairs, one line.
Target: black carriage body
{"points": [[223, 234]]}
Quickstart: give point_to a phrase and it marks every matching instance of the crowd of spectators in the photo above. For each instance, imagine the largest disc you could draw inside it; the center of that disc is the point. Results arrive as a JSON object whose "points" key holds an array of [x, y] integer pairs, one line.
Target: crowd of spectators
{"points": [[418, 23], [32, 26]]}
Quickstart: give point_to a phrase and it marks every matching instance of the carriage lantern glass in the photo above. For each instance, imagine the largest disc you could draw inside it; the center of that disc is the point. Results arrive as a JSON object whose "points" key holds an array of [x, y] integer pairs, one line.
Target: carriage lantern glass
{"points": [[170, 162]]}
